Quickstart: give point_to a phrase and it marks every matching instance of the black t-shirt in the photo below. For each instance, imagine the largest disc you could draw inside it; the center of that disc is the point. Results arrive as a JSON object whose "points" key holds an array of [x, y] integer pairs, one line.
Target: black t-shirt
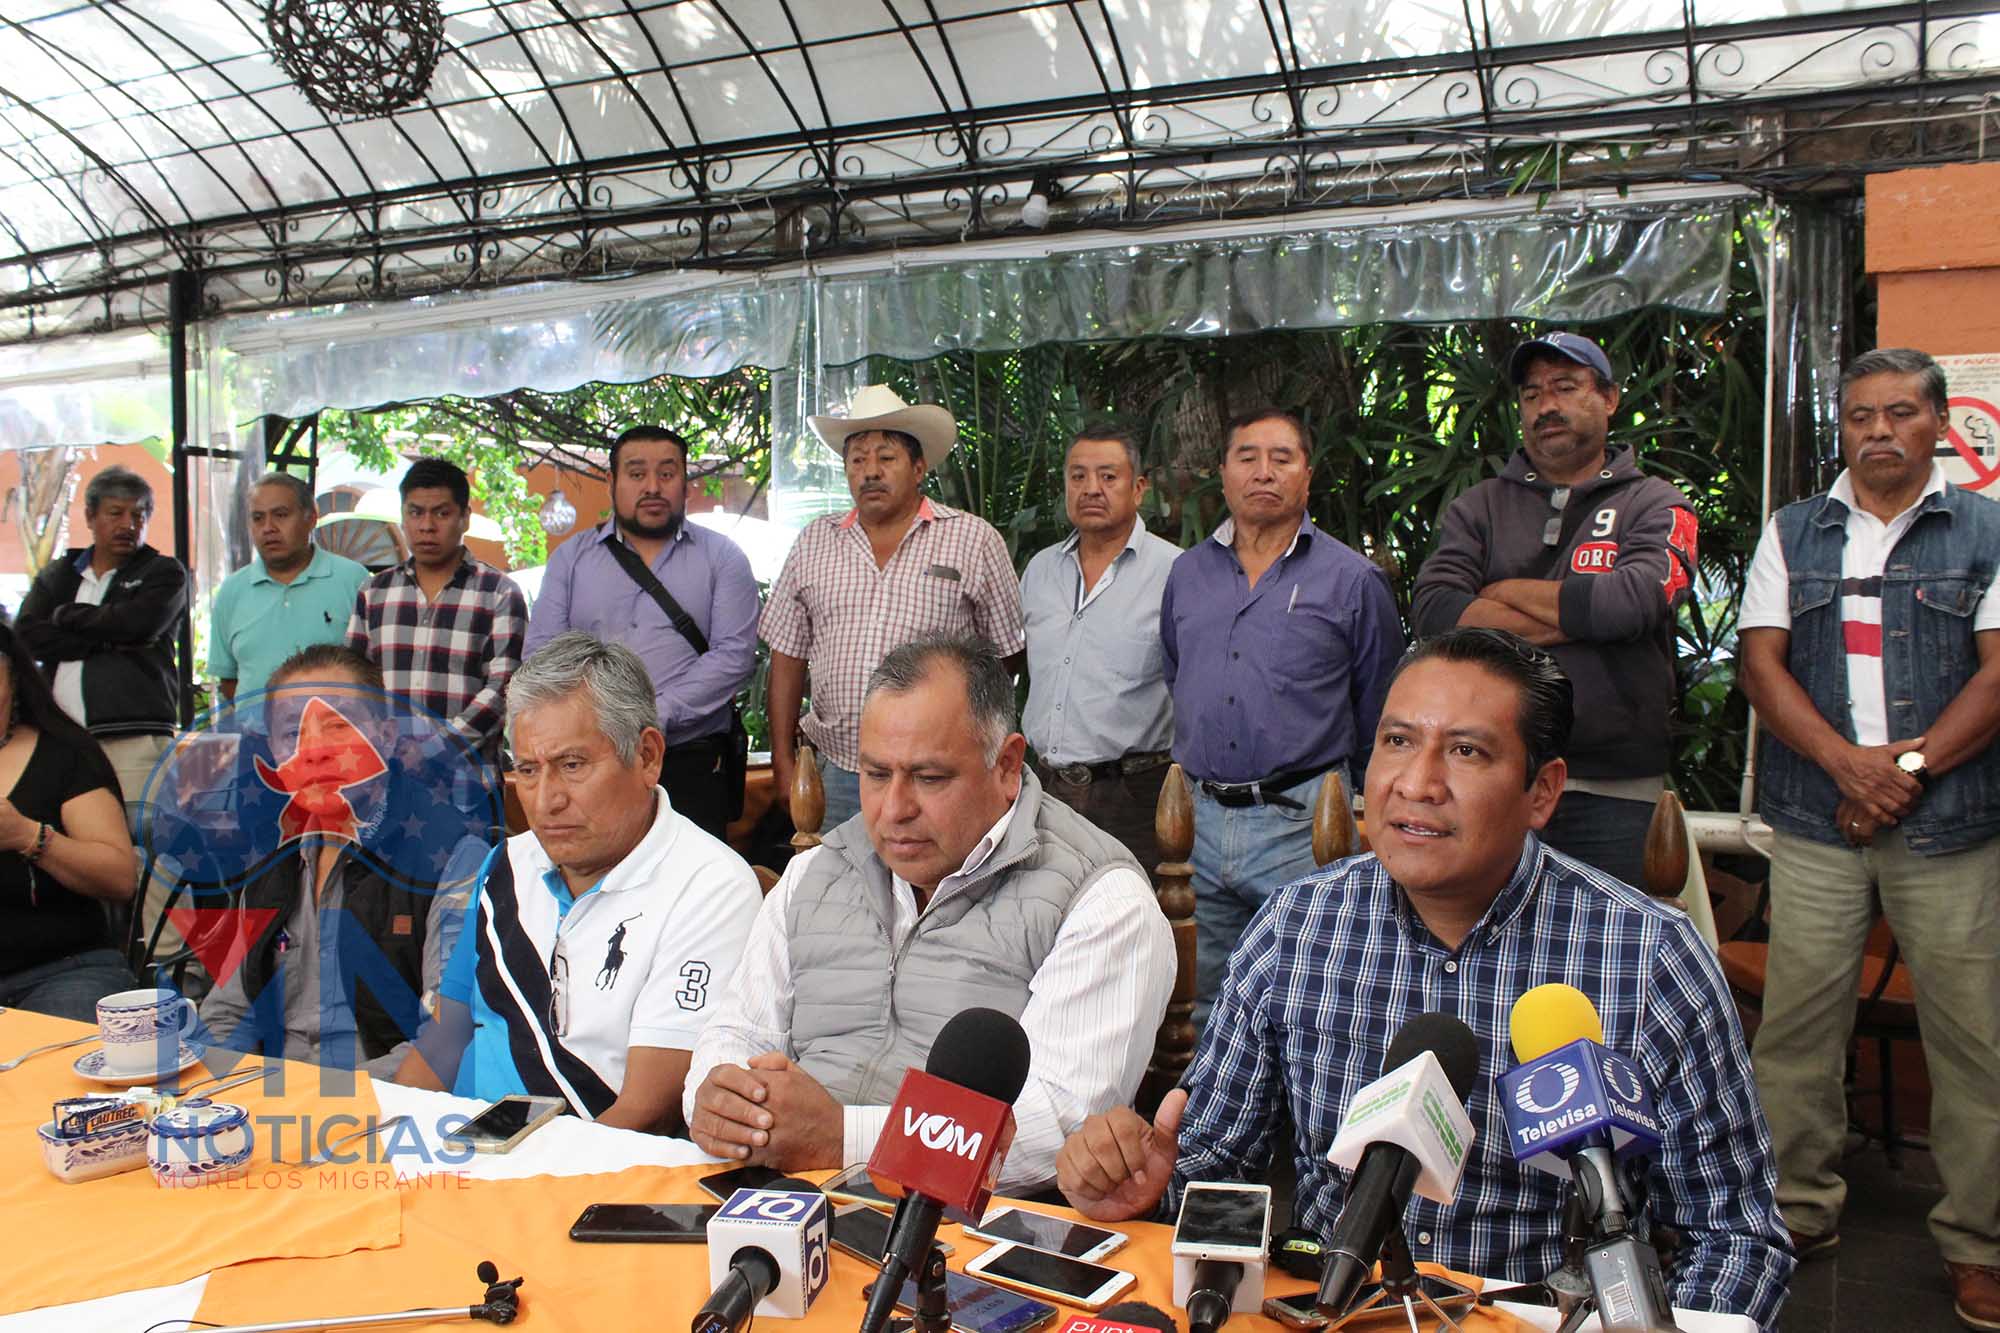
{"points": [[40, 920]]}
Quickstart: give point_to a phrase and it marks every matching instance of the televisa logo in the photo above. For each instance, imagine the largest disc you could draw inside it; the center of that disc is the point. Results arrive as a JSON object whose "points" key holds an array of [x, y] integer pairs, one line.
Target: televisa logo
{"points": [[940, 1133]]}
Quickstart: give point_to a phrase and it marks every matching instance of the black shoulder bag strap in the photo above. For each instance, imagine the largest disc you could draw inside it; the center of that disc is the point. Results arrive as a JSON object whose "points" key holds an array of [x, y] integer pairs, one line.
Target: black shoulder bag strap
{"points": [[736, 750], [629, 561]]}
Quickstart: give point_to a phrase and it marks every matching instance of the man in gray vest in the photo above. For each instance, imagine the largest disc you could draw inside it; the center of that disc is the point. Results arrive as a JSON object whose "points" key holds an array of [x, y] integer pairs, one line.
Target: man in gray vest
{"points": [[959, 884]]}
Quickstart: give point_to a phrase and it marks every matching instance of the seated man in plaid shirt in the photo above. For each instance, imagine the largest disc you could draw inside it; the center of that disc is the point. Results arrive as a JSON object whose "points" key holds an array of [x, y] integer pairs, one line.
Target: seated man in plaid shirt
{"points": [[445, 627], [1461, 909]]}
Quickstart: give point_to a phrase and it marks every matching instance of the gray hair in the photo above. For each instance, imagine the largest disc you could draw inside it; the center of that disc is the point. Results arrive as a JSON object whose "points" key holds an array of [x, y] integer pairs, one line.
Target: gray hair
{"points": [[1901, 361], [117, 483], [301, 492], [612, 676], [989, 692]]}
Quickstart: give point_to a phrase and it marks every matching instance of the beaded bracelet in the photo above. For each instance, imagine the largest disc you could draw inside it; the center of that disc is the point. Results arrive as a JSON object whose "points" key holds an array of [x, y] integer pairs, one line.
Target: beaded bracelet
{"points": [[34, 854]]}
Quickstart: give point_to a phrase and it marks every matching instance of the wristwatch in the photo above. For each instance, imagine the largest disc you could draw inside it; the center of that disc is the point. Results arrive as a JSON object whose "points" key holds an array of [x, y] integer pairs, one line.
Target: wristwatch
{"points": [[1912, 762]]}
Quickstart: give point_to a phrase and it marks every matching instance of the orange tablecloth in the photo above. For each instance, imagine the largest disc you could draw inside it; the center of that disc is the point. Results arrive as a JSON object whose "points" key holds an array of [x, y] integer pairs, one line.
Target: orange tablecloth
{"points": [[523, 1227], [75, 1242]]}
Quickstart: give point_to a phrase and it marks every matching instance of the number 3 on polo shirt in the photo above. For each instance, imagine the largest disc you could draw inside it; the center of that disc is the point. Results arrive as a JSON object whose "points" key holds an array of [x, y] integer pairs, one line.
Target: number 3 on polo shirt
{"points": [[693, 993]]}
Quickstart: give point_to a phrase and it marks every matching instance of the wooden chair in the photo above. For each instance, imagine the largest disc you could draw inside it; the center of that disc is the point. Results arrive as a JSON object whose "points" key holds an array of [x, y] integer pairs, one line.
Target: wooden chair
{"points": [[1886, 1012], [1173, 886], [1673, 870], [807, 800]]}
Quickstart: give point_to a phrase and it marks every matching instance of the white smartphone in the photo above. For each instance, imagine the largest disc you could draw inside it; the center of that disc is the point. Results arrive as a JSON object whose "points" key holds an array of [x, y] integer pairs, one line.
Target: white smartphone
{"points": [[1078, 1240], [854, 1185], [506, 1122], [1230, 1222], [1050, 1276]]}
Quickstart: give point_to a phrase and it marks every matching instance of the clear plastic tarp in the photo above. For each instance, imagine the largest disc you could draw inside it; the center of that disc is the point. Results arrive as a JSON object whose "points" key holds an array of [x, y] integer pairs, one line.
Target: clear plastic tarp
{"points": [[111, 389]]}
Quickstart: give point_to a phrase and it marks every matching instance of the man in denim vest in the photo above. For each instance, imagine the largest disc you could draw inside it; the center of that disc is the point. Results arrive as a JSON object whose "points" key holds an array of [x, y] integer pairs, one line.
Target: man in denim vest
{"points": [[1871, 649]]}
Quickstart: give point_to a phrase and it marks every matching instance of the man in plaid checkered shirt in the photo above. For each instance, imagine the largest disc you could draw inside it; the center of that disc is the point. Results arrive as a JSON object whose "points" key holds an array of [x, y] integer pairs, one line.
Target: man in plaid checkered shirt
{"points": [[1459, 910], [445, 627], [896, 567]]}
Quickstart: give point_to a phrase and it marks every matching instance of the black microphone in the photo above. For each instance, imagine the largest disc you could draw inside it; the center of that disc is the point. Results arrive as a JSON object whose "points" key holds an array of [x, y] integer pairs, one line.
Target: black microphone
{"points": [[982, 1053], [1138, 1314], [753, 1274], [1212, 1294], [1388, 1172]]}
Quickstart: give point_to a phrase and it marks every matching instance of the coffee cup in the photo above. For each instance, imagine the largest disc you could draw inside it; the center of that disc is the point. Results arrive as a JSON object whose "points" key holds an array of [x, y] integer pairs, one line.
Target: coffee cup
{"points": [[143, 1029]]}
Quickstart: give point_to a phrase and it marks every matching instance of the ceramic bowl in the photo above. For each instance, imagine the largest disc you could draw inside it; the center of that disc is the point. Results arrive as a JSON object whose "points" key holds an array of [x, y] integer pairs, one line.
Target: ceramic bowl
{"points": [[103, 1152], [198, 1142]]}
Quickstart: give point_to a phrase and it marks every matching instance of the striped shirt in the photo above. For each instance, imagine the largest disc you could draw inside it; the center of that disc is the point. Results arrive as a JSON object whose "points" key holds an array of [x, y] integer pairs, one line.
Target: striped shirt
{"points": [[1767, 601], [452, 656], [1337, 962], [833, 607]]}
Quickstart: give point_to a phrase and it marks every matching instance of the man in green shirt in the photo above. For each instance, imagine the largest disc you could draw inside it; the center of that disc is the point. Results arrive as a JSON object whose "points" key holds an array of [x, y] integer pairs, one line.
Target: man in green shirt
{"points": [[292, 595]]}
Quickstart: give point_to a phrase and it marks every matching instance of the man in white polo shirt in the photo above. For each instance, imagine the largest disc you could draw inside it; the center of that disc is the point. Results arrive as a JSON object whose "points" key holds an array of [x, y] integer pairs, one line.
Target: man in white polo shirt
{"points": [[602, 936]]}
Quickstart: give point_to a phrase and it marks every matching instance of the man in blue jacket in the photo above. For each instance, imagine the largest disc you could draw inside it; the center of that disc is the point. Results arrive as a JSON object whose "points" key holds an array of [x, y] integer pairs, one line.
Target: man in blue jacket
{"points": [[1871, 649]]}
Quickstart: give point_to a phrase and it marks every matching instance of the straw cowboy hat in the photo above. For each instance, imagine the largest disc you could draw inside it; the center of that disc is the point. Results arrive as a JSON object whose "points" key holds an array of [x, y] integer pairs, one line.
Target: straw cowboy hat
{"points": [[878, 407]]}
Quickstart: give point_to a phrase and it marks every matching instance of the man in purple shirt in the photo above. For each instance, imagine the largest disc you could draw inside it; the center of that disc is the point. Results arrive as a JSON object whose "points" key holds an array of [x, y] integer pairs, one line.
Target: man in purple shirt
{"points": [[1279, 643], [609, 581]]}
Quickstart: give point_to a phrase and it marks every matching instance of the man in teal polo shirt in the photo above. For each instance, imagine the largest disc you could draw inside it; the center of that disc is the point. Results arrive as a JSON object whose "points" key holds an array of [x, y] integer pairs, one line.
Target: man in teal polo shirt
{"points": [[293, 595]]}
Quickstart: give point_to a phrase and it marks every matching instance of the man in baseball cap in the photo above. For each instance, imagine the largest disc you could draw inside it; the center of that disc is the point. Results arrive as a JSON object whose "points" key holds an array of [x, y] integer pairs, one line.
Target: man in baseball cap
{"points": [[896, 567], [1574, 549]]}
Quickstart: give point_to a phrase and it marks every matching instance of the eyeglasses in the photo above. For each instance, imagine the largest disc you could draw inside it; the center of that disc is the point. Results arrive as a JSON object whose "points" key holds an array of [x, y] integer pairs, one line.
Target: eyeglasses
{"points": [[1552, 531], [558, 992]]}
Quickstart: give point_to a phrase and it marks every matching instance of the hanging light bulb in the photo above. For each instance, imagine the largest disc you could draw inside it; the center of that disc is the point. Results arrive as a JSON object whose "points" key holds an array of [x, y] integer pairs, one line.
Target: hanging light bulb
{"points": [[558, 515]]}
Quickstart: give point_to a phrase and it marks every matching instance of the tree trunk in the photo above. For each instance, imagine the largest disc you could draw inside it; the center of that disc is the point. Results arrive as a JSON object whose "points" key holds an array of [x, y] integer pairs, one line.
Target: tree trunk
{"points": [[48, 482]]}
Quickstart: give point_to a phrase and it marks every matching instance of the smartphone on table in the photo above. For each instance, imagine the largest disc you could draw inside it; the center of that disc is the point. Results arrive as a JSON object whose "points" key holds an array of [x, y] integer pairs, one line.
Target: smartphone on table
{"points": [[725, 1183], [981, 1307], [854, 1185], [1055, 1277], [506, 1122], [863, 1232], [658, 1223], [1078, 1240], [1222, 1221]]}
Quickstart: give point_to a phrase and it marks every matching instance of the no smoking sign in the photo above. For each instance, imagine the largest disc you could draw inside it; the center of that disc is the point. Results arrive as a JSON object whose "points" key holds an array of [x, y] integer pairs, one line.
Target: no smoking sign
{"points": [[1970, 452]]}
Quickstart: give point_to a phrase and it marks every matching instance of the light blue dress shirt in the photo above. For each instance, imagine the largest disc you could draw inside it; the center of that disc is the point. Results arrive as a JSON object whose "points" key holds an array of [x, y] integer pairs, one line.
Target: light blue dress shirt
{"points": [[1097, 685]]}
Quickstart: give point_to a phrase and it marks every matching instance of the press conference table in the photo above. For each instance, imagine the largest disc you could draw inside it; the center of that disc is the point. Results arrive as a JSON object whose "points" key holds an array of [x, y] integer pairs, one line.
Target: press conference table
{"points": [[514, 1208]]}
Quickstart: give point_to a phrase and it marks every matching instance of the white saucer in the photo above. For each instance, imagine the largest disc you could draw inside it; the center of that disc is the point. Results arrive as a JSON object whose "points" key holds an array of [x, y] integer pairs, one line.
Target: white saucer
{"points": [[91, 1066]]}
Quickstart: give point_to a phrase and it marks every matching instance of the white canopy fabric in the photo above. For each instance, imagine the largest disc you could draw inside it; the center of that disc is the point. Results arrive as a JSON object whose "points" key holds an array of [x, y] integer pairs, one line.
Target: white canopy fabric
{"points": [[582, 137]]}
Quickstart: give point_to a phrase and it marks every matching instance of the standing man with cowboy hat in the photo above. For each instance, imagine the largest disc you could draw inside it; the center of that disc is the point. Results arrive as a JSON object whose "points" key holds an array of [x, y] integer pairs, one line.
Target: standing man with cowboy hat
{"points": [[895, 567]]}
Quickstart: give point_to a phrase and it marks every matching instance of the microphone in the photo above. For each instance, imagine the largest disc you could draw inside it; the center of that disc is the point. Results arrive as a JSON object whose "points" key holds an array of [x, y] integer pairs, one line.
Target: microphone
{"points": [[1573, 1107], [1124, 1317], [767, 1255], [1222, 1241], [948, 1133], [1407, 1131]]}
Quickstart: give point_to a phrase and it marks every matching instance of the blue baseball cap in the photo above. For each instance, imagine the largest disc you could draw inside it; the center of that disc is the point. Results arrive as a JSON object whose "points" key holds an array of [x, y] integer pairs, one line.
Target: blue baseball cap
{"points": [[1570, 346]]}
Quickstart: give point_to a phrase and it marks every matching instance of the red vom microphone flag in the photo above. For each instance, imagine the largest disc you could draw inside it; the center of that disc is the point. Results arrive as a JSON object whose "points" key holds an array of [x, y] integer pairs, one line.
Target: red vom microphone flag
{"points": [[944, 1141]]}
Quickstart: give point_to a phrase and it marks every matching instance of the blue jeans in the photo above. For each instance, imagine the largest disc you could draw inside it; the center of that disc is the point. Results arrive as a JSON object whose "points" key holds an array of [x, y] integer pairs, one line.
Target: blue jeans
{"points": [[843, 794], [1604, 832], [1242, 855], [68, 987]]}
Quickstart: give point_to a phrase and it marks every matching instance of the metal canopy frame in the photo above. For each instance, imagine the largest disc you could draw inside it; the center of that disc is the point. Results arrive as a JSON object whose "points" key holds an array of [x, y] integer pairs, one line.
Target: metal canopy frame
{"points": [[736, 149]]}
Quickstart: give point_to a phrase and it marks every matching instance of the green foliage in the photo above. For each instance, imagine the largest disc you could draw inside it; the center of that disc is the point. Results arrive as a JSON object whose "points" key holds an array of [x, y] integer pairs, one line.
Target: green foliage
{"points": [[726, 422], [1404, 419]]}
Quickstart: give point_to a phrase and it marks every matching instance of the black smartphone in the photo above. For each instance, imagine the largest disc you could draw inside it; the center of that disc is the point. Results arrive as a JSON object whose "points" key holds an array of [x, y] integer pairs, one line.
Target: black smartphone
{"points": [[981, 1307], [658, 1223], [725, 1183], [863, 1232]]}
